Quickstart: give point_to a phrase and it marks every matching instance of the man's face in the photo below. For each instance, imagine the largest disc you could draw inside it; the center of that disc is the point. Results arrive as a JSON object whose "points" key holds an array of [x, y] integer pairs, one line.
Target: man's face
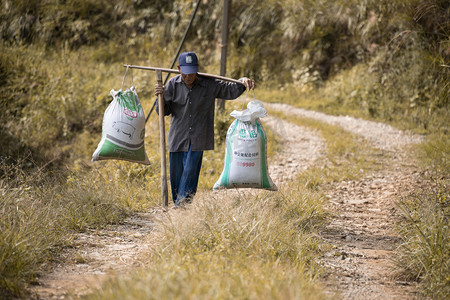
{"points": [[188, 78]]}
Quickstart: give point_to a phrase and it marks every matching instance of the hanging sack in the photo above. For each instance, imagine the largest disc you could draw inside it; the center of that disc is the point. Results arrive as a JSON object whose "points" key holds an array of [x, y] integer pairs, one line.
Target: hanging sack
{"points": [[246, 151], [123, 128]]}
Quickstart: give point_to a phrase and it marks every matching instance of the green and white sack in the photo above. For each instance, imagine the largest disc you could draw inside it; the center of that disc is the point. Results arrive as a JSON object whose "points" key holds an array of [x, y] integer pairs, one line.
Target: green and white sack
{"points": [[123, 129], [246, 151]]}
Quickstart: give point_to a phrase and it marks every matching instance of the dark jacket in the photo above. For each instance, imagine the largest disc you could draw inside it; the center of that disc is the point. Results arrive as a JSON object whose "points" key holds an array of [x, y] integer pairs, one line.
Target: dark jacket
{"points": [[192, 111]]}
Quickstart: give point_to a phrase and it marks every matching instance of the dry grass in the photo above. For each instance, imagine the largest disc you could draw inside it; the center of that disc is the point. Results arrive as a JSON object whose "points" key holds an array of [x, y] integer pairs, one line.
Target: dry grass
{"points": [[40, 212], [231, 245], [348, 156], [424, 254], [55, 79]]}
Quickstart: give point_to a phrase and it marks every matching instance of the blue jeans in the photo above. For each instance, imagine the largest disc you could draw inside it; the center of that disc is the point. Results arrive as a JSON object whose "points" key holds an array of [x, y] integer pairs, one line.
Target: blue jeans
{"points": [[184, 173]]}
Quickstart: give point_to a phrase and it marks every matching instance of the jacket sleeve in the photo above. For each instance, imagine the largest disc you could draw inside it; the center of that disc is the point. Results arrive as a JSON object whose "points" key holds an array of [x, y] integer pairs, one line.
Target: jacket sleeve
{"points": [[168, 92], [228, 90]]}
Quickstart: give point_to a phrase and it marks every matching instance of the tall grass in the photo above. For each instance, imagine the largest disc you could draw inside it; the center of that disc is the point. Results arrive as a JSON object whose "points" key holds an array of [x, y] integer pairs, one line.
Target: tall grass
{"points": [[40, 212], [377, 59], [381, 60], [251, 246], [424, 254]]}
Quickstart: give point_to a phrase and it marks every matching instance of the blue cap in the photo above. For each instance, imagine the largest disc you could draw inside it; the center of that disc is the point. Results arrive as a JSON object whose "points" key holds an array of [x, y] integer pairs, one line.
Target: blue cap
{"points": [[188, 63]]}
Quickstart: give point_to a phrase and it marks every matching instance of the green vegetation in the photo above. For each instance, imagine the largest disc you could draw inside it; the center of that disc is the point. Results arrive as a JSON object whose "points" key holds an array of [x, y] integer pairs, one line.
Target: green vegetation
{"points": [[424, 255], [248, 246], [382, 60], [40, 212]]}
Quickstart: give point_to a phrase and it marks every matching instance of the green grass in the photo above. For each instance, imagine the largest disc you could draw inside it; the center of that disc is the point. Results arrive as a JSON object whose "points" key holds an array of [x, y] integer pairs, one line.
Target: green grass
{"points": [[40, 212], [424, 255], [232, 247], [359, 93]]}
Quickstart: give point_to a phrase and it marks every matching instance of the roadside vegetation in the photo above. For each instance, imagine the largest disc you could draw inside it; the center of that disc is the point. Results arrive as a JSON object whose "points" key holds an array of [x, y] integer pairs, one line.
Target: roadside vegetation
{"points": [[424, 255], [381, 60], [229, 245]]}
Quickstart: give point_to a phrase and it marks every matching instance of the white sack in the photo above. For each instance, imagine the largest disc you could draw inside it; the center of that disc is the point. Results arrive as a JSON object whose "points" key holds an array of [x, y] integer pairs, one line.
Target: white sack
{"points": [[246, 151], [123, 129]]}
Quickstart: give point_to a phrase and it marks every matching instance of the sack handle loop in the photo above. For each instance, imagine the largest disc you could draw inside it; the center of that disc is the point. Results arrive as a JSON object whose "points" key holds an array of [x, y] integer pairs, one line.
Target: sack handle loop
{"points": [[132, 82], [245, 99]]}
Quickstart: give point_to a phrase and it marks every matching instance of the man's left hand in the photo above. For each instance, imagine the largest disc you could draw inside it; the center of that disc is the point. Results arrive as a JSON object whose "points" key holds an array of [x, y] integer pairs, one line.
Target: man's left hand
{"points": [[248, 83]]}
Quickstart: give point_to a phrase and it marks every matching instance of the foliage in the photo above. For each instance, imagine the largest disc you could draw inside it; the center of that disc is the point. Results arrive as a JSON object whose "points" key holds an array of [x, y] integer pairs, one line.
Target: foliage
{"points": [[39, 212], [424, 254], [248, 246], [386, 60]]}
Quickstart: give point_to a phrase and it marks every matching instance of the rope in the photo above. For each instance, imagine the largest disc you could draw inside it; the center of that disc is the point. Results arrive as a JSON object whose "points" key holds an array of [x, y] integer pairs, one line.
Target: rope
{"points": [[176, 55], [124, 76], [245, 99]]}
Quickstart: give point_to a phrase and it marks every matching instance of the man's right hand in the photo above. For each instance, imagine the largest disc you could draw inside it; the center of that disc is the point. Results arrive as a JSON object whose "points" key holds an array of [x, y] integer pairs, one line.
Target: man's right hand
{"points": [[159, 89]]}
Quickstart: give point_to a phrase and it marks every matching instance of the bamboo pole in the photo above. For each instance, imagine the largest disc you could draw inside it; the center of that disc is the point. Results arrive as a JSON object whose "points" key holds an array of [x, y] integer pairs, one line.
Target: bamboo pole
{"points": [[162, 138], [177, 72]]}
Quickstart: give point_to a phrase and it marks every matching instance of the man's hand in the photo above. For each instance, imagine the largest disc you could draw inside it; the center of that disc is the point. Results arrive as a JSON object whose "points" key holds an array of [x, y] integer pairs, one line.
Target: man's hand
{"points": [[248, 83], [159, 89]]}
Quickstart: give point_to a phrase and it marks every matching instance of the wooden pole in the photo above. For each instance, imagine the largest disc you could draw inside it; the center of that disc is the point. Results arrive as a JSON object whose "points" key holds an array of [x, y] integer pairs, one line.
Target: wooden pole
{"points": [[162, 137], [177, 72], [224, 44]]}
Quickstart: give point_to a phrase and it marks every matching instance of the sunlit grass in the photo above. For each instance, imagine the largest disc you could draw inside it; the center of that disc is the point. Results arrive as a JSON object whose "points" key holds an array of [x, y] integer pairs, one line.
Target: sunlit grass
{"points": [[232, 246], [233, 237], [54, 92], [434, 154], [39, 213], [424, 254], [359, 93]]}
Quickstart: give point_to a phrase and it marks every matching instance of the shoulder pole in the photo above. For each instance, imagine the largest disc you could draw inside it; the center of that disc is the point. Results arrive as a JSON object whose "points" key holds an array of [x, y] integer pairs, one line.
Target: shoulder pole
{"points": [[177, 72]]}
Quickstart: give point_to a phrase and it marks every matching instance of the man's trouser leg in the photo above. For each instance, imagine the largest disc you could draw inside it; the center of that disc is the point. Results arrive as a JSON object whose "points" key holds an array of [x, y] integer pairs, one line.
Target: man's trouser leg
{"points": [[184, 174]]}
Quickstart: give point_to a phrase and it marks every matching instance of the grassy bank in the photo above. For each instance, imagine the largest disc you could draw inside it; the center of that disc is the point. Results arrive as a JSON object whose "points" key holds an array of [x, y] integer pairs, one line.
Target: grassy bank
{"points": [[424, 255], [248, 246], [40, 212]]}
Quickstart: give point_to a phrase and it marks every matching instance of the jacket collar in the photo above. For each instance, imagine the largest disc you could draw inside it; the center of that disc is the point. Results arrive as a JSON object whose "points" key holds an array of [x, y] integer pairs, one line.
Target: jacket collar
{"points": [[199, 81]]}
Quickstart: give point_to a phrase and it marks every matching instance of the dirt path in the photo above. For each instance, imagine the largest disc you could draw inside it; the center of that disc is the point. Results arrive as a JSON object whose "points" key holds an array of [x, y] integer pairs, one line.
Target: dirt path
{"points": [[360, 232], [363, 237]]}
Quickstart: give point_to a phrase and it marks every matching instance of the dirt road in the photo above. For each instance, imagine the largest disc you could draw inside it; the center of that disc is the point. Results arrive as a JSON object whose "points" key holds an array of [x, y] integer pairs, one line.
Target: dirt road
{"points": [[360, 233]]}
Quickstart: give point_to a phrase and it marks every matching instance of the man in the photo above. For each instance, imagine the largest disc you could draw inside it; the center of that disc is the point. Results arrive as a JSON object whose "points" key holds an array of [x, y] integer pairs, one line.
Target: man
{"points": [[190, 100]]}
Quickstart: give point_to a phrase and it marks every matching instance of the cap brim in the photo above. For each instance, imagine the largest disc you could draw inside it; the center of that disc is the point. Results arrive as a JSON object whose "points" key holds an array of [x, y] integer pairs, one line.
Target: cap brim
{"points": [[189, 69]]}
